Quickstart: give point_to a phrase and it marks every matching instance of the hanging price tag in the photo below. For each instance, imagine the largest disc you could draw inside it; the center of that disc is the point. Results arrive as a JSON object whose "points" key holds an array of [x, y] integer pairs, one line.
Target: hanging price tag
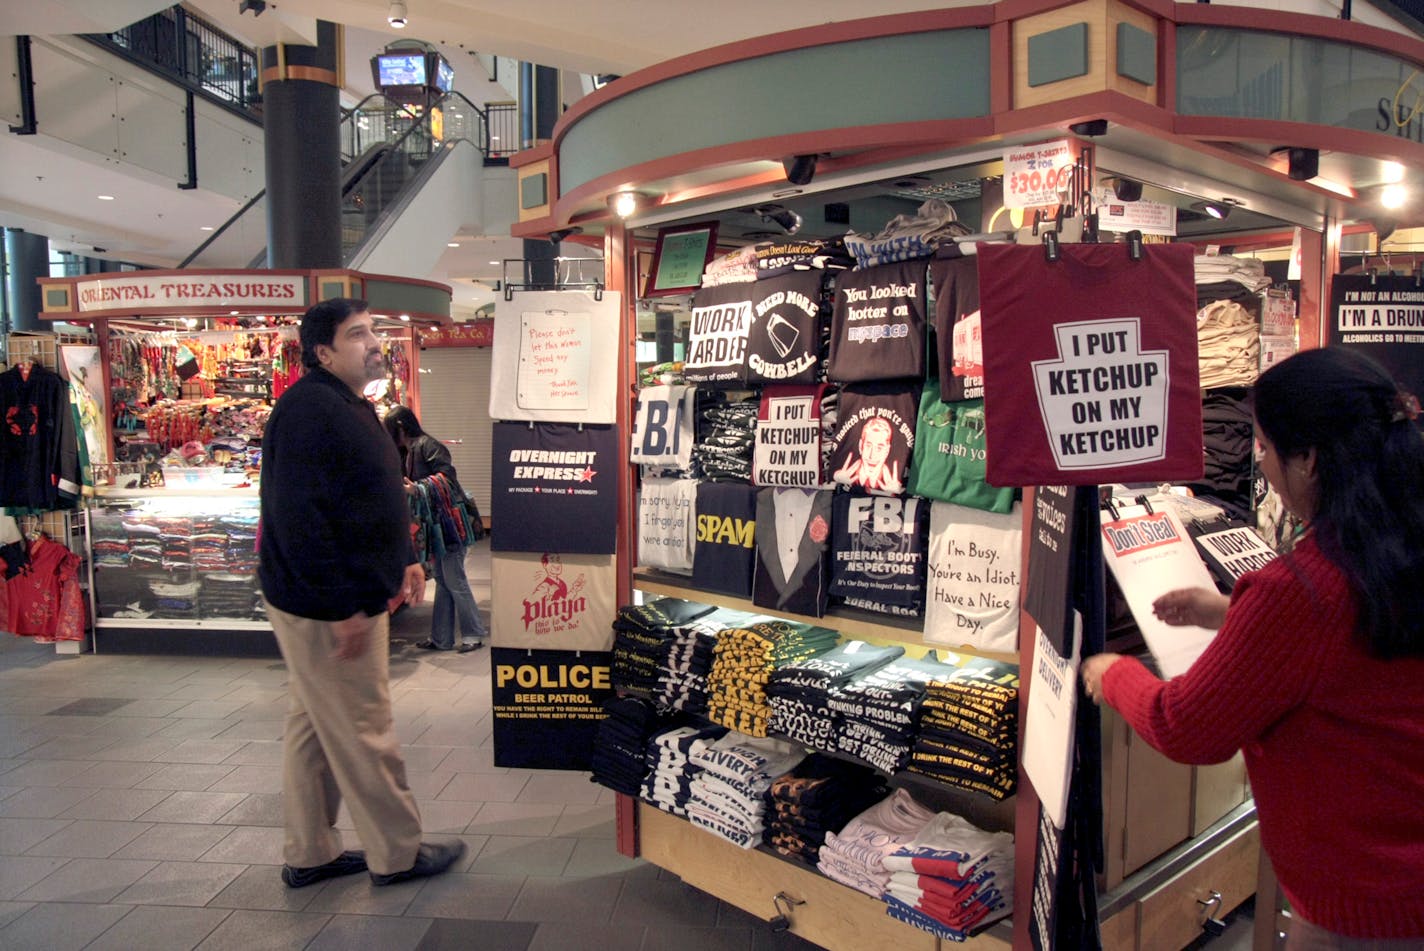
{"points": [[1037, 174]]}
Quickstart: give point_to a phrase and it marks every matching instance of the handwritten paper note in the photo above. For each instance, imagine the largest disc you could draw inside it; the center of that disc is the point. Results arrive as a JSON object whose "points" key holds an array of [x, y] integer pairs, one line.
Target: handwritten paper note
{"points": [[554, 359]]}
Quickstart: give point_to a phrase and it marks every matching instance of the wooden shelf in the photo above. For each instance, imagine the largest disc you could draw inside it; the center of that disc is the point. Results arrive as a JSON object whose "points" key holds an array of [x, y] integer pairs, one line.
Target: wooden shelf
{"points": [[852, 622]]}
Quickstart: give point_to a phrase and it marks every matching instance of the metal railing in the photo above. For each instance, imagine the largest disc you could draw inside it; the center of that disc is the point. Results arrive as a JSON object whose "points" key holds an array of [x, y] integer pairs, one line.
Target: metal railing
{"points": [[384, 145], [503, 120], [193, 53]]}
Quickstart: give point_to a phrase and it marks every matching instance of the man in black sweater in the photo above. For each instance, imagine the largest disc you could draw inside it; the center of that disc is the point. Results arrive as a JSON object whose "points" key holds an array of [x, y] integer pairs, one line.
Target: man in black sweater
{"points": [[334, 554]]}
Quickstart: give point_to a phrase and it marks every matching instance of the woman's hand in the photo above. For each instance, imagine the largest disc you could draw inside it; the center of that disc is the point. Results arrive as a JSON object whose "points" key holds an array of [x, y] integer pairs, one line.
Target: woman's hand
{"points": [[1199, 607], [409, 487], [1092, 673]]}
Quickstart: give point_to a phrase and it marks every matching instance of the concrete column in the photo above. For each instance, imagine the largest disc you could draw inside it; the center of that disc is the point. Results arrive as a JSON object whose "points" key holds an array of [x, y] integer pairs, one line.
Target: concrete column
{"points": [[27, 256]]}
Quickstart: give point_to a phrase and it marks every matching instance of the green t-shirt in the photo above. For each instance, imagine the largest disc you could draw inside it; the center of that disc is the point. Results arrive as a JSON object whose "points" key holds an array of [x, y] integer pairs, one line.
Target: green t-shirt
{"points": [[949, 461]]}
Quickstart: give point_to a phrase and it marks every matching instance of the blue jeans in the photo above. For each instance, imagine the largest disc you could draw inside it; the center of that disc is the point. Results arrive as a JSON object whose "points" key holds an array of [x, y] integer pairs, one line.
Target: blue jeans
{"points": [[453, 600]]}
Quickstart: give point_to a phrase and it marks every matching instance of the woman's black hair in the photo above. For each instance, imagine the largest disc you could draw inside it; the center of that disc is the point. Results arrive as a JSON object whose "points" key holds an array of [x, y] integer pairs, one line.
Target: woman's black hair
{"points": [[402, 419], [1369, 467]]}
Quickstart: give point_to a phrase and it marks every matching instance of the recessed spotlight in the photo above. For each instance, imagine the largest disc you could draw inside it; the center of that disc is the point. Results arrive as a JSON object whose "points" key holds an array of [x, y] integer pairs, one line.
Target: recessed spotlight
{"points": [[106, 197], [1392, 172], [1215, 209], [405, 317], [205, 227], [1394, 196], [452, 244], [233, 313], [494, 262], [190, 321]]}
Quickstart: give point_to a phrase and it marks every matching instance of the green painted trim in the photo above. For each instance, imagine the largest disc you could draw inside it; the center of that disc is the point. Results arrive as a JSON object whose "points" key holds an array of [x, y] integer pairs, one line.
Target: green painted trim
{"points": [[1058, 55], [330, 289], [397, 297], [56, 298], [914, 77], [1136, 54], [534, 191]]}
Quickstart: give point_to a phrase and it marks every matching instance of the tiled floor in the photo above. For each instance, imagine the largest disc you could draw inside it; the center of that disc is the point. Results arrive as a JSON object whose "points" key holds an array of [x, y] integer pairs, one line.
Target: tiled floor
{"points": [[140, 808]]}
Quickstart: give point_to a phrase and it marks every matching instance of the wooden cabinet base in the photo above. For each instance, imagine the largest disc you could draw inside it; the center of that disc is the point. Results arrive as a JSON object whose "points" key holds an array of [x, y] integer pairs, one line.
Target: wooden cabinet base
{"points": [[833, 915]]}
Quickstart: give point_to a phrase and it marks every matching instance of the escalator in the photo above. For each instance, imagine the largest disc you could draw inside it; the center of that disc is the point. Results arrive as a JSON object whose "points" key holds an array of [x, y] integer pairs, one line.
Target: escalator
{"points": [[391, 156]]}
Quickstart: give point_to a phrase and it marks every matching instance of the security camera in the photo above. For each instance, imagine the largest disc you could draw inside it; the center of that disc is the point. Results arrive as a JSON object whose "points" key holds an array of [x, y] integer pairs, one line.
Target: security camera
{"points": [[397, 15]]}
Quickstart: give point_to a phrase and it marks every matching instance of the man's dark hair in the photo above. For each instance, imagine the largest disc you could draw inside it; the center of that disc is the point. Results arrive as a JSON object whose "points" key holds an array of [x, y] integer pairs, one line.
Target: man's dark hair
{"points": [[319, 325]]}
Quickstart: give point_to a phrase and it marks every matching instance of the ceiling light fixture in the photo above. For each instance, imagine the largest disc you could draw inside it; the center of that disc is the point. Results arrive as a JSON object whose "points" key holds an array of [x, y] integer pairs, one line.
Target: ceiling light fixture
{"points": [[789, 220], [1219, 210], [106, 197], [205, 227], [1394, 196], [452, 244], [397, 15], [624, 204], [1391, 173], [800, 169], [1127, 189], [405, 317]]}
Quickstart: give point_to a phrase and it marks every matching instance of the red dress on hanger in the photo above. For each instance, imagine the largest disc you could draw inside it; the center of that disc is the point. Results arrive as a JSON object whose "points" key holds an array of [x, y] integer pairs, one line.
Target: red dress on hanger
{"points": [[45, 600]]}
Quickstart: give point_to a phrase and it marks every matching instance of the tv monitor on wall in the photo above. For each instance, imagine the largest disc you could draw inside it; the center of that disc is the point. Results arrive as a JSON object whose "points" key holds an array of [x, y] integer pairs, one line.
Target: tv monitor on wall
{"points": [[401, 69], [444, 76]]}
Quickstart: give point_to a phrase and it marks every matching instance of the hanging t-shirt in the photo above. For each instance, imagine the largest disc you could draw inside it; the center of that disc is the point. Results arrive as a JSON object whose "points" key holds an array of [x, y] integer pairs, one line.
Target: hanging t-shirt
{"points": [[717, 336], [784, 345], [878, 551], [950, 452], [554, 488], [958, 329], [875, 435], [666, 523], [788, 437], [662, 426], [1090, 365], [878, 323], [972, 595], [725, 550], [793, 547]]}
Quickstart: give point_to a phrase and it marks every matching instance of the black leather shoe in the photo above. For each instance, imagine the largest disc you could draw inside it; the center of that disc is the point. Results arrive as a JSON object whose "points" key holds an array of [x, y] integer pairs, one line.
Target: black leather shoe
{"points": [[471, 646], [432, 859], [347, 863]]}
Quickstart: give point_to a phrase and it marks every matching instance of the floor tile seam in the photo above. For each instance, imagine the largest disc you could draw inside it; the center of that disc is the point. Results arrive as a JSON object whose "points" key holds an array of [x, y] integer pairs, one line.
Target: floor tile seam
{"points": [[208, 934]]}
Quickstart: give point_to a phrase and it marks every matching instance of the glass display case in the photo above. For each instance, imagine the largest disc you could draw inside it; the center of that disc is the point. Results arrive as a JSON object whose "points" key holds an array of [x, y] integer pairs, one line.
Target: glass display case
{"points": [[174, 558]]}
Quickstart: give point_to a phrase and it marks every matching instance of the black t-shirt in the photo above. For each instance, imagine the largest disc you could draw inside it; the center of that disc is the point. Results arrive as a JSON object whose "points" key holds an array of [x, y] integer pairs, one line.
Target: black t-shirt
{"points": [[878, 550], [956, 286], [878, 323], [717, 337], [725, 551], [793, 546], [875, 436], [784, 344]]}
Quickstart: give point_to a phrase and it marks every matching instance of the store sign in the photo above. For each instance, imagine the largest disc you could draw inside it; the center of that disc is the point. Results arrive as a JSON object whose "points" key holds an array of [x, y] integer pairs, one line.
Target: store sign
{"points": [[274, 294], [554, 357], [1149, 217], [1038, 174], [472, 333], [1278, 315], [547, 706], [1090, 365]]}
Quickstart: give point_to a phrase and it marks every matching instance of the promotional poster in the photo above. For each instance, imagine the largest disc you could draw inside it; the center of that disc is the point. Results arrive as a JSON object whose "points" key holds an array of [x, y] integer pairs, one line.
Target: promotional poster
{"points": [[552, 601], [1382, 317], [555, 358], [553, 488]]}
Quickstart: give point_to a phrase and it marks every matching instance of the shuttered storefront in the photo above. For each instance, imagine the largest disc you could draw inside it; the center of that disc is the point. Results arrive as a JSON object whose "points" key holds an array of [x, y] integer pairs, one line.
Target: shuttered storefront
{"points": [[454, 405]]}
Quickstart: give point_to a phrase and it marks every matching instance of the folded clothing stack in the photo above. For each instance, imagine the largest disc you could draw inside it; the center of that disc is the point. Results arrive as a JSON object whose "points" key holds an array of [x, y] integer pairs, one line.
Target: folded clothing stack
{"points": [[968, 729], [644, 637], [667, 783], [798, 693], [620, 743], [855, 856], [952, 879], [226, 595], [724, 453], [819, 796], [877, 710], [743, 662], [730, 779]]}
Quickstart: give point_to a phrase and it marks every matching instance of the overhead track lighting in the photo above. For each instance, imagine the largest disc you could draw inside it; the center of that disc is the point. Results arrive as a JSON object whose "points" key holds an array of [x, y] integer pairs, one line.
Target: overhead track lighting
{"points": [[787, 219], [800, 169], [1127, 189], [397, 15], [1219, 210]]}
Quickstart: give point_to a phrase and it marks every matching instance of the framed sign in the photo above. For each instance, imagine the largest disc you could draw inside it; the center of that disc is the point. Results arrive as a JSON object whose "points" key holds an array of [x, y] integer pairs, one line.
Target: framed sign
{"points": [[681, 255]]}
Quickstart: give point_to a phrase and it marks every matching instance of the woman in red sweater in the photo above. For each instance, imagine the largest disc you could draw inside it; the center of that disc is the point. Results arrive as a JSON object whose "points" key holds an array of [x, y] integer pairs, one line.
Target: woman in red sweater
{"points": [[1317, 673]]}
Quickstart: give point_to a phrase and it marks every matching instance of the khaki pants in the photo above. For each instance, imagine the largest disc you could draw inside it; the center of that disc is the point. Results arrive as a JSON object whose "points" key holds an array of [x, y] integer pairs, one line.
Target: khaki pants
{"points": [[341, 743]]}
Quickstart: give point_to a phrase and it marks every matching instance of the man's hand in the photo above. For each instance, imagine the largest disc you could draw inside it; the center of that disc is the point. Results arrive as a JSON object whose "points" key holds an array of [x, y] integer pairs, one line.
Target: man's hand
{"points": [[353, 635], [413, 584]]}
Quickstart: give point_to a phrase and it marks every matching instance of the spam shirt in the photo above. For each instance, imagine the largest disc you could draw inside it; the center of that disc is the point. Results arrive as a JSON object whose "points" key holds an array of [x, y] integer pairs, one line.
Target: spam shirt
{"points": [[725, 550], [784, 342], [878, 323], [875, 435]]}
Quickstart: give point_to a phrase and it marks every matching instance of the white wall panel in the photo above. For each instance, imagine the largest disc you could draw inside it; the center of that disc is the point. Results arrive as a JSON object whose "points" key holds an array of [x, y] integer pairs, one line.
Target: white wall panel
{"points": [[454, 404]]}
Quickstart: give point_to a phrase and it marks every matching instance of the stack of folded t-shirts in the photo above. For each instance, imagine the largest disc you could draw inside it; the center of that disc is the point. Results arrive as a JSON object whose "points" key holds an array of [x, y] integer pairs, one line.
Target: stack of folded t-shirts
{"points": [[226, 595], [856, 855], [109, 541], [954, 878], [241, 542], [968, 730], [644, 637], [1228, 345], [878, 710], [724, 453], [667, 783], [145, 549], [819, 796], [1247, 273], [175, 599], [175, 536], [682, 683], [1227, 433], [743, 662], [728, 789], [209, 549], [799, 693], [620, 743]]}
